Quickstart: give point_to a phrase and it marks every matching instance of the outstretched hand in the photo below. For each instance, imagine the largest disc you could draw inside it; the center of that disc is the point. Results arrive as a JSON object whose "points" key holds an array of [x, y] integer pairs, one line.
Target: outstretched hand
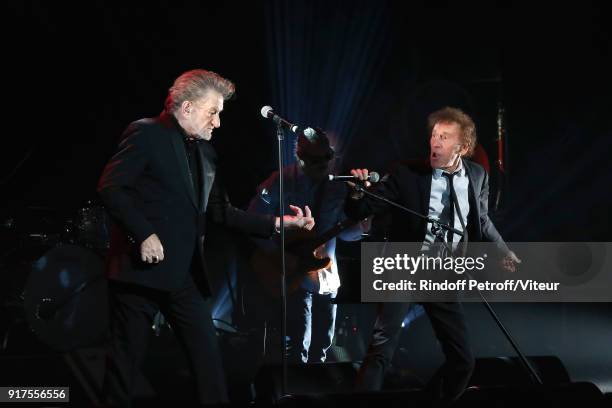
{"points": [[300, 219]]}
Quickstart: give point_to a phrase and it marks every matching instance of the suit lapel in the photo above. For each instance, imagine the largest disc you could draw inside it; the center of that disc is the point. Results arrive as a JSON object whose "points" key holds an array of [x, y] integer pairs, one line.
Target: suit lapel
{"points": [[179, 152], [473, 216], [207, 177]]}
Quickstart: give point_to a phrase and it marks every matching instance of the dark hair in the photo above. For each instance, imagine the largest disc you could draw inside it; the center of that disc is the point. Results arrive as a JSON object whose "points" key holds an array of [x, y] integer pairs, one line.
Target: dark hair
{"points": [[314, 148]]}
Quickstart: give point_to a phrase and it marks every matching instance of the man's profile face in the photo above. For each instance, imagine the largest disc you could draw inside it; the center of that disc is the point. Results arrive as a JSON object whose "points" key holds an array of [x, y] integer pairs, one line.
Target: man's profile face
{"points": [[203, 115], [446, 145]]}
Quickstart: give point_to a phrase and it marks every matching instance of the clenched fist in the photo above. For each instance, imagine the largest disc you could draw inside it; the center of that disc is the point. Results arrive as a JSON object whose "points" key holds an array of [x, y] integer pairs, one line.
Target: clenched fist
{"points": [[151, 250]]}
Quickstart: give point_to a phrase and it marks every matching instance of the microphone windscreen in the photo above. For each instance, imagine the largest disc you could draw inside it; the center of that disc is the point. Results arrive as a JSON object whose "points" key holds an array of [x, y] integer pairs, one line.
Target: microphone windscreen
{"points": [[265, 111]]}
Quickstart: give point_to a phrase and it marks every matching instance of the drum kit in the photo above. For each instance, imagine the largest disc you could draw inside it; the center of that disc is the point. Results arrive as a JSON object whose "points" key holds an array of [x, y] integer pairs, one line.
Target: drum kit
{"points": [[53, 275]]}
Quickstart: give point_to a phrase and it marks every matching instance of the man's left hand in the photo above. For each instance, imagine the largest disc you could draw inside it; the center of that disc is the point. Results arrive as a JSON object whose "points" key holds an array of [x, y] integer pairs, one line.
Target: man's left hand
{"points": [[301, 219]]}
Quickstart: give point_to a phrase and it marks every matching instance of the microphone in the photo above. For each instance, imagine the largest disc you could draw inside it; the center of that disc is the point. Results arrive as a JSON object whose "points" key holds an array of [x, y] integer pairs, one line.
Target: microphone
{"points": [[373, 177], [268, 113]]}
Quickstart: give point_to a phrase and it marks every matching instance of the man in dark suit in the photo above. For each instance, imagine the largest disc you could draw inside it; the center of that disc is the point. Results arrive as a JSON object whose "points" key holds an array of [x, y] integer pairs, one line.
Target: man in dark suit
{"points": [[430, 187], [160, 189]]}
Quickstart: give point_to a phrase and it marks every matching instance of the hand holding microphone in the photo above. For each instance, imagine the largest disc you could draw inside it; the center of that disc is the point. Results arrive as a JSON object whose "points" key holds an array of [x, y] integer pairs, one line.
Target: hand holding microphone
{"points": [[364, 178], [371, 177]]}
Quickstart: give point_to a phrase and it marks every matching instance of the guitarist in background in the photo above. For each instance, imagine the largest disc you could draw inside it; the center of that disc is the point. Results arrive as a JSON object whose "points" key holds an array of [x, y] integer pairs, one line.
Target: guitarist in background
{"points": [[311, 313]]}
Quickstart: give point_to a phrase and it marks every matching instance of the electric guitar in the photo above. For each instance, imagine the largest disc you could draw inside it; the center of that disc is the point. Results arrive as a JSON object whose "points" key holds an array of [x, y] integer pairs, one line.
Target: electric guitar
{"points": [[302, 259]]}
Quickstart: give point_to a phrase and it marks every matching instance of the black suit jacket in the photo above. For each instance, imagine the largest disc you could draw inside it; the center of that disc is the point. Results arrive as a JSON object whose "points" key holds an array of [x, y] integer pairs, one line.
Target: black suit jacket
{"points": [[409, 184], [147, 189]]}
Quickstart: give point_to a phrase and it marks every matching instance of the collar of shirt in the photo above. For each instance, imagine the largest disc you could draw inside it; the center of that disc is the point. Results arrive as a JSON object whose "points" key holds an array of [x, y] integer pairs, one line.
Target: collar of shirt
{"points": [[193, 141], [459, 171]]}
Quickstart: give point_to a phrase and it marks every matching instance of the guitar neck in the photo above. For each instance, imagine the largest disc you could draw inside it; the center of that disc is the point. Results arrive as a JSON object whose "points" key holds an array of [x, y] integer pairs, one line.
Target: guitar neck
{"points": [[331, 233]]}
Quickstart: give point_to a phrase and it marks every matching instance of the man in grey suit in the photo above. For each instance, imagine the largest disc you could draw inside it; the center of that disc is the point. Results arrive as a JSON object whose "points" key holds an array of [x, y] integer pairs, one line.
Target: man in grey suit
{"points": [[456, 191]]}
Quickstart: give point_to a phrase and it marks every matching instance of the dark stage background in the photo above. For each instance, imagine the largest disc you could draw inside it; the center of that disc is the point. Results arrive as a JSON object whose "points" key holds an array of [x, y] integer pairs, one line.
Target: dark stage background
{"points": [[74, 75]]}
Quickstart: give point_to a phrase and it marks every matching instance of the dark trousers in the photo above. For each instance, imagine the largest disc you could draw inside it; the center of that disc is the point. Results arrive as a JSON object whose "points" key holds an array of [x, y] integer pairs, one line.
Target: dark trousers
{"points": [[133, 309], [311, 321], [448, 323]]}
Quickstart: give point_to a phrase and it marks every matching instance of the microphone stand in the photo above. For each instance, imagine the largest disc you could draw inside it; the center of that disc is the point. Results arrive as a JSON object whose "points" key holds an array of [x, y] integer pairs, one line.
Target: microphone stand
{"points": [[437, 225], [281, 199], [438, 229]]}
